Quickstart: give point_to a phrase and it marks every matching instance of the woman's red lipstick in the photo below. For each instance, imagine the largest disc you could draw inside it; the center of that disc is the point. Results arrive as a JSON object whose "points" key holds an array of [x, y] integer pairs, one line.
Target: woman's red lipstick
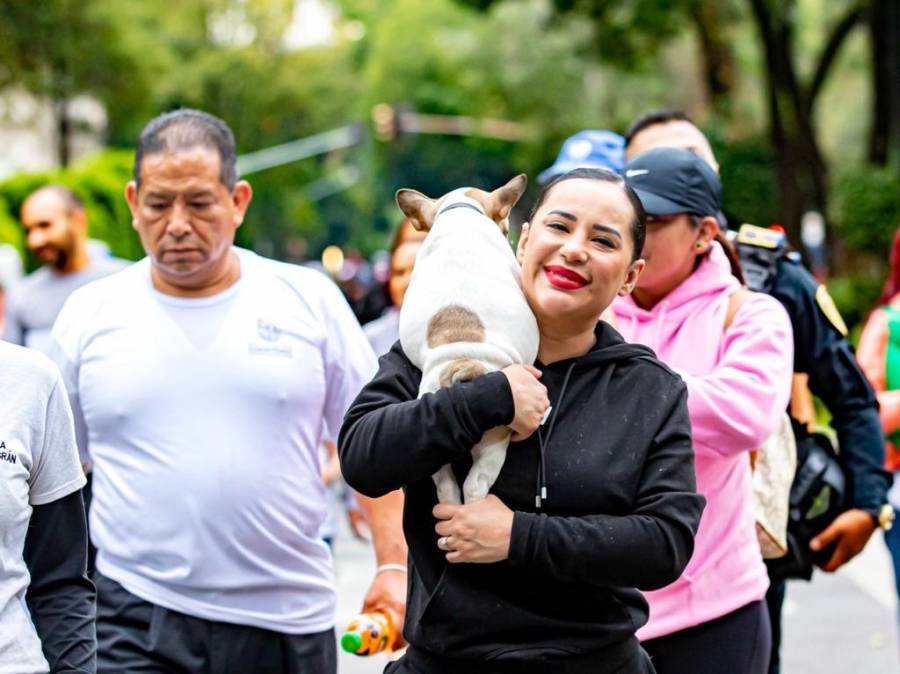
{"points": [[564, 279]]}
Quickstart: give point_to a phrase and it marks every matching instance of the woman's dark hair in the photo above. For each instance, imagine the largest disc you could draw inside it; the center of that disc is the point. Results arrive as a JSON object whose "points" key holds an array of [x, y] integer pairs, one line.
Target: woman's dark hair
{"points": [[638, 225], [733, 260]]}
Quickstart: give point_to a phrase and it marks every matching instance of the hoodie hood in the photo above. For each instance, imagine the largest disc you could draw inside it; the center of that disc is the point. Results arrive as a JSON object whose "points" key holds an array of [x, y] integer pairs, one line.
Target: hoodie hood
{"points": [[610, 347], [709, 279], [705, 292]]}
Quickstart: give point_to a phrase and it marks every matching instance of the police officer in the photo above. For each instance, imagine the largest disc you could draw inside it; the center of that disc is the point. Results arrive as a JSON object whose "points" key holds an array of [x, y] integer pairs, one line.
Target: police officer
{"points": [[821, 353]]}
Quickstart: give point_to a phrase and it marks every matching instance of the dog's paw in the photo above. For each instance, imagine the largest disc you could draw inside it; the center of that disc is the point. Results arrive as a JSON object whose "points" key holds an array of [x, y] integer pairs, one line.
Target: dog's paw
{"points": [[446, 486], [475, 488], [449, 494]]}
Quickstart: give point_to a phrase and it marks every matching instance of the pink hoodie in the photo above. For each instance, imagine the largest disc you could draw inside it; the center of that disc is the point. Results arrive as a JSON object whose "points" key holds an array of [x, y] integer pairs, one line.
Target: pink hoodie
{"points": [[739, 384]]}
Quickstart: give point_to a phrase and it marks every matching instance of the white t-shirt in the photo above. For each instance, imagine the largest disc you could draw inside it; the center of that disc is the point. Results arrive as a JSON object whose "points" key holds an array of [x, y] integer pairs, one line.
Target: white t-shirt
{"points": [[38, 465], [208, 495]]}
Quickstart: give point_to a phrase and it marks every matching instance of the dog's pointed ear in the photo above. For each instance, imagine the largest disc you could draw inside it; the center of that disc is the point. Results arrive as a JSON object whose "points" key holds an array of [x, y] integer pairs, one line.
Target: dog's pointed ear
{"points": [[417, 207], [504, 198]]}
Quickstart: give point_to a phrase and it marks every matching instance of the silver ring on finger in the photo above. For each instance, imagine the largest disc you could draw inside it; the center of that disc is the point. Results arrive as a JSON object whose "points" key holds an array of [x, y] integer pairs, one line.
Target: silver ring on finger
{"points": [[444, 542]]}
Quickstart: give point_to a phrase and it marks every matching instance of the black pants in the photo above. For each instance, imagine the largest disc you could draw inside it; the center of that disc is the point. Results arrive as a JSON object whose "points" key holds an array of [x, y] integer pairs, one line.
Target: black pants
{"points": [[136, 637], [638, 663], [775, 603], [87, 493], [737, 643]]}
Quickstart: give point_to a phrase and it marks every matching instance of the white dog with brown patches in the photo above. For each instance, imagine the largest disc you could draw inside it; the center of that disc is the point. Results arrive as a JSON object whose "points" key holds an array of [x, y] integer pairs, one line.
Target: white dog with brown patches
{"points": [[464, 313]]}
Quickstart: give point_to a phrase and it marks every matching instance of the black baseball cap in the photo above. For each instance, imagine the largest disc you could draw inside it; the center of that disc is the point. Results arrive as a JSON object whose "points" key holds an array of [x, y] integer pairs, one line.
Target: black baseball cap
{"points": [[671, 180]]}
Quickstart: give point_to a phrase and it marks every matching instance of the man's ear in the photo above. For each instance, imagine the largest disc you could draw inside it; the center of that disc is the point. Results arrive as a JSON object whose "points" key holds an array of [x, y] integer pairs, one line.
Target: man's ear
{"points": [[523, 241], [417, 207], [631, 278], [78, 221], [504, 198], [240, 197], [131, 197]]}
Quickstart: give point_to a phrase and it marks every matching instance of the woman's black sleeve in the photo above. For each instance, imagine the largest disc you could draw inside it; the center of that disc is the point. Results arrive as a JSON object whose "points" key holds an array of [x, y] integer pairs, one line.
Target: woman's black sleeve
{"points": [[390, 438], [648, 548], [61, 599]]}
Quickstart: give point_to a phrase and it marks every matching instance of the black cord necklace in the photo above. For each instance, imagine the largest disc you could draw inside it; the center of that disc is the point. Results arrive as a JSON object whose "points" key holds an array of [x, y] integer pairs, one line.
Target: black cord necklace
{"points": [[541, 488]]}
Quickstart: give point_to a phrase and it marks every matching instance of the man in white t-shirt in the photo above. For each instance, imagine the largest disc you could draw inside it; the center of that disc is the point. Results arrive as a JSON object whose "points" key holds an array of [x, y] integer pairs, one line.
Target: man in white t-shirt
{"points": [[46, 599], [203, 380]]}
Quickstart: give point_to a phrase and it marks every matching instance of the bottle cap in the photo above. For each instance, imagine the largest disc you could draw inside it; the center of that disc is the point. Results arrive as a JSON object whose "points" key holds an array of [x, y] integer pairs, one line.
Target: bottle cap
{"points": [[351, 642]]}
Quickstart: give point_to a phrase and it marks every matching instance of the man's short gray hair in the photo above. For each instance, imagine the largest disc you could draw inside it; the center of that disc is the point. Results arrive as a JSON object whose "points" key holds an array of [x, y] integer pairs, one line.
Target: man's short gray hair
{"points": [[185, 129]]}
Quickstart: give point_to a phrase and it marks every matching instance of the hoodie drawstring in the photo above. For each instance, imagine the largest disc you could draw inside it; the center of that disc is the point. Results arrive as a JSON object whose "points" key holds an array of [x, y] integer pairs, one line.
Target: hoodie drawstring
{"points": [[541, 487]]}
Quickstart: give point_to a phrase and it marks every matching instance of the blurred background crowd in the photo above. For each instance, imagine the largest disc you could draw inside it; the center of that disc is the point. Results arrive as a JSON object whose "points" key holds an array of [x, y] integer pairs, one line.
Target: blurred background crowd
{"points": [[337, 103]]}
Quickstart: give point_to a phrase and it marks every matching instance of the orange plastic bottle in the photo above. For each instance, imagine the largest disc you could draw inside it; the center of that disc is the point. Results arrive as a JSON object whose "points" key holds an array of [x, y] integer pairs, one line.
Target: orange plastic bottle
{"points": [[370, 633]]}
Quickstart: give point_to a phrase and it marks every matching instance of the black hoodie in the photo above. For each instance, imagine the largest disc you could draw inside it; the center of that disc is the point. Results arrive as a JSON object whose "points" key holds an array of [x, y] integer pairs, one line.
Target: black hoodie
{"points": [[620, 510]]}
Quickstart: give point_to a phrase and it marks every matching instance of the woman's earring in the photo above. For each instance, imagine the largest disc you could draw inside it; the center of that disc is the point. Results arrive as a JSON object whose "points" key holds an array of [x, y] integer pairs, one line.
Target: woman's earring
{"points": [[698, 245]]}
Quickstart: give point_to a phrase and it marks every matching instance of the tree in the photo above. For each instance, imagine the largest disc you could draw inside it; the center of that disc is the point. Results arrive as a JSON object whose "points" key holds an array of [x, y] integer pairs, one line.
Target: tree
{"points": [[64, 48], [625, 33], [801, 169], [883, 20], [720, 71]]}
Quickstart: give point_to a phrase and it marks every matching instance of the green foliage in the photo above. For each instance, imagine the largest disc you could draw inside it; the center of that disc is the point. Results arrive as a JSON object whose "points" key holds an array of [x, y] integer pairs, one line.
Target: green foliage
{"points": [[749, 185], [100, 182], [473, 64], [855, 295], [867, 201], [625, 33], [10, 231], [866, 217], [61, 48]]}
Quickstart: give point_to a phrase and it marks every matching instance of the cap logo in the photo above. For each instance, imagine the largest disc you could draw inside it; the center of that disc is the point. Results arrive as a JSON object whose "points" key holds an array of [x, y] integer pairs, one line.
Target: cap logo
{"points": [[631, 173], [580, 149]]}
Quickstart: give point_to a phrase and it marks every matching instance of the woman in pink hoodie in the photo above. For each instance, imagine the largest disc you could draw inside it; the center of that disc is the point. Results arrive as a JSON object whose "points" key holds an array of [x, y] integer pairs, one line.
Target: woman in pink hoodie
{"points": [[713, 619]]}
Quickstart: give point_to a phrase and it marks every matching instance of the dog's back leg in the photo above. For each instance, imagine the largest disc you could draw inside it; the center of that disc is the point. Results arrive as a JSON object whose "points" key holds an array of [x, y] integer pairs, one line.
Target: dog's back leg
{"points": [[461, 369], [488, 457], [446, 486], [444, 480]]}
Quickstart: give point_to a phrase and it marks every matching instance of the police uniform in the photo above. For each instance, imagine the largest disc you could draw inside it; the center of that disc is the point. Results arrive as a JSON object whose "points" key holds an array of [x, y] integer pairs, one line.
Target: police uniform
{"points": [[822, 352]]}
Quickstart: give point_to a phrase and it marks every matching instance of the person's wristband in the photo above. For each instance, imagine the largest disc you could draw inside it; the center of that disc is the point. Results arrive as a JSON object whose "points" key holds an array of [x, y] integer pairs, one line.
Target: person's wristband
{"points": [[391, 567]]}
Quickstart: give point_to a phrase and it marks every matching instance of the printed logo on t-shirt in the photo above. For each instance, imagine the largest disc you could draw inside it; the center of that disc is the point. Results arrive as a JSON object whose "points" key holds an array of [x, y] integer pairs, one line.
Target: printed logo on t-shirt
{"points": [[270, 334], [267, 331], [5, 454]]}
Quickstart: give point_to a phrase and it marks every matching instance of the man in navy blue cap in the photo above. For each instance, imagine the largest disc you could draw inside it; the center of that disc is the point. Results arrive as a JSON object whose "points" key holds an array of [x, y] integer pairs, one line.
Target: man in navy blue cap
{"points": [[588, 149]]}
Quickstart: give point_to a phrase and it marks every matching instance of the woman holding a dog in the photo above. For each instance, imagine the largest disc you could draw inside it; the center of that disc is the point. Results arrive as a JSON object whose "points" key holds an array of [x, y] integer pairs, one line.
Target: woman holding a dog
{"points": [[592, 506], [713, 619]]}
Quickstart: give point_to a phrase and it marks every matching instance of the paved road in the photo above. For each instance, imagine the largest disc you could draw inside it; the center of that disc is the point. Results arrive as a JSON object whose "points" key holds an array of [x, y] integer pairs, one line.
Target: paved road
{"points": [[838, 624]]}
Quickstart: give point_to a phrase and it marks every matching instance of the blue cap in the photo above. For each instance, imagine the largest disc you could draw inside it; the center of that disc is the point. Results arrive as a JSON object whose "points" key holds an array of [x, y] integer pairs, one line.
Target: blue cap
{"points": [[588, 149]]}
